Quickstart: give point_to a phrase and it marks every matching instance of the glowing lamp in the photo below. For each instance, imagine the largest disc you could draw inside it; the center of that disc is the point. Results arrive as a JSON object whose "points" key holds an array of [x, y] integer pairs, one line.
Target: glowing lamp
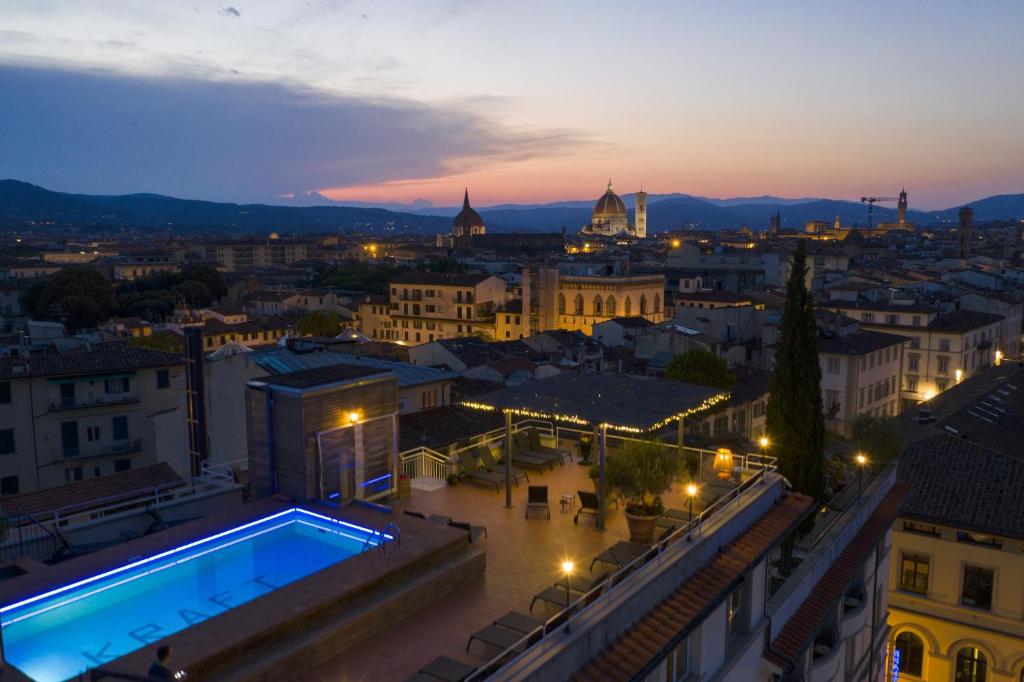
{"points": [[861, 459], [959, 375], [723, 463], [691, 489], [764, 441], [675, 243], [567, 567], [354, 416], [999, 357]]}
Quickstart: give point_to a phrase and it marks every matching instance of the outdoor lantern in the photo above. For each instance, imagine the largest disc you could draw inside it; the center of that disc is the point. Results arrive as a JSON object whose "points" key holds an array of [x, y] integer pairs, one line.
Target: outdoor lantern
{"points": [[723, 463]]}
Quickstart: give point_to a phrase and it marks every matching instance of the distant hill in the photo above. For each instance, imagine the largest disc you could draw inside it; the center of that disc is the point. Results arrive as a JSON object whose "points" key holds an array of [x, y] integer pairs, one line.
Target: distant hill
{"points": [[21, 202]]}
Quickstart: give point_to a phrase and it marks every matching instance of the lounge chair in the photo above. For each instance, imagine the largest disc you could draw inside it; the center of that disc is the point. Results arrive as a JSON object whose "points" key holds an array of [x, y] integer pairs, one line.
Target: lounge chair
{"points": [[447, 669], [620, 554], [491, 464], [556, 594], [521, 441], [537, 446], [589, 505], [478, 473], [474, 531], [507, 631], [537, 500]]}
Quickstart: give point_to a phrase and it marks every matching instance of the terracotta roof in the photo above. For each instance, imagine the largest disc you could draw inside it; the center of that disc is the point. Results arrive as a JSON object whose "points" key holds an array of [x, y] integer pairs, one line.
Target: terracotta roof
{"points": [[81, 494], [801, 628], [963, 321], [440, 279], [106, 356], [664, 626], [863, 342]]}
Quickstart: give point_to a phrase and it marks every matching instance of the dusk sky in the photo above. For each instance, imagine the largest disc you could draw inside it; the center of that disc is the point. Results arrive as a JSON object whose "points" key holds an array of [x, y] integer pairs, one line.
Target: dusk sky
{"points": [[520, 101]]}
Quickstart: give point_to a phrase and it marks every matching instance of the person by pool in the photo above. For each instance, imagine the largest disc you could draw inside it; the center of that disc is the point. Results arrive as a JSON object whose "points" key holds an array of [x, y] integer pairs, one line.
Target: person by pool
{"points": [[160, 671]]}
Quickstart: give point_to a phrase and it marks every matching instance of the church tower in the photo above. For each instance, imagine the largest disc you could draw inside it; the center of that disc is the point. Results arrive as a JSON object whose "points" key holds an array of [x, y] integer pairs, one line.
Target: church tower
{"points": [[963, 235], [901, 207], [640, 226]]}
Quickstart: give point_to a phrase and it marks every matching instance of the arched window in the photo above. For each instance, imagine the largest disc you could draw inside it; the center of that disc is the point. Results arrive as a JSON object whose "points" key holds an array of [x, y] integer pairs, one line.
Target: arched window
{"points": [[561, 304], [610, 306], [598, 304], [911, 653], [629, 307], [657, 303], [643, 304], [578, 307], [971, 665]]}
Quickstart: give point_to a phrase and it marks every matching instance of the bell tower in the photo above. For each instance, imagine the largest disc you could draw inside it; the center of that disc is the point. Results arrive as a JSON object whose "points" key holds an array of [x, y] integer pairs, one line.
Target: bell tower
{"points": [[640, 226], [901, 207]]}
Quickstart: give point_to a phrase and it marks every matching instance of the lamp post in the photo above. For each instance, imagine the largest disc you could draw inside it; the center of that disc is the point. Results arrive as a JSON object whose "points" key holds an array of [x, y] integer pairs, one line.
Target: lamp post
{"points": [[862, 461], [567, 567], [691, 492]]}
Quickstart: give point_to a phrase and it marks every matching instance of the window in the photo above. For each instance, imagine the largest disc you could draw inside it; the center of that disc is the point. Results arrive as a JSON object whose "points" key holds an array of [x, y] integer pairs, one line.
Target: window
{"points": [[978, 539], [732, 615], [428, 399], [916, 320], [643, 304], [5, 392], [913, 361], [912, 384], [914, 573], [120, 384], [92, 433], [971, 665], [944, 345], [910, 649], [9, 485], [831, 400], [915, 342], [869, 318], [577, 306], [629, 307], [609, 306], [163, 378], [6, 441], [69, 438], [943, 365], [120, 428], [561, 304], [892, 319], [122, 465], [977, 588], [922, 528], [598, 305], [832, 366], [681, 662]]}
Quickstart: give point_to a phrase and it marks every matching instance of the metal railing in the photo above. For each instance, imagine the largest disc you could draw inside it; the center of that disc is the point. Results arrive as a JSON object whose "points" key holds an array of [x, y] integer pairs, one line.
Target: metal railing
{"points": [[27, 536], [422, 462], [82, 403], [612, 585]]}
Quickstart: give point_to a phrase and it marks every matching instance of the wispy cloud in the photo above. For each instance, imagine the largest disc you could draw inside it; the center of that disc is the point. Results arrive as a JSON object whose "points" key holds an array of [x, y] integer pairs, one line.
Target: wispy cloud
{"points": [[110, 133]]}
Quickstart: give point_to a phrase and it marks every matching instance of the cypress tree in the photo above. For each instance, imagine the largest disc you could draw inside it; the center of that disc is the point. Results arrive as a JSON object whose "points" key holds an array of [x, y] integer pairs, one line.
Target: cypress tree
{"points": [[795, 423]]}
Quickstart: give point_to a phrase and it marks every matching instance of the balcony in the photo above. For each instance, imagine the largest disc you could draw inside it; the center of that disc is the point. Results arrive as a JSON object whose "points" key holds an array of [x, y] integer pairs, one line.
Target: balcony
{"points": [[825, 657], [119, 447], [65, 404], [854, 613]]}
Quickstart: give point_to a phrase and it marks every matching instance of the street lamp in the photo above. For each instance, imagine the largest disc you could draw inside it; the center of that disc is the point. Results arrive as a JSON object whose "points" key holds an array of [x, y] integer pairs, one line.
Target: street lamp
{"points": [[354, 416], [862, 461], [691, 492], [567, 567], [764, 443]]}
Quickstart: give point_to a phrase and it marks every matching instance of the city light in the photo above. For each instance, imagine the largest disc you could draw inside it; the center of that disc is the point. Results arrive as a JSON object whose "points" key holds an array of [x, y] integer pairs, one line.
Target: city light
{"points": [[959, 375], [999, 357], [764, 441], [354, 416], [567, 567]]}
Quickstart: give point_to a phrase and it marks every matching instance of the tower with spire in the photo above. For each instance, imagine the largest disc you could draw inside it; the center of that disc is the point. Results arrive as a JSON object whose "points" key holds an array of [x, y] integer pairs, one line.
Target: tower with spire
{"points": [[466, 224], [901, 208]]}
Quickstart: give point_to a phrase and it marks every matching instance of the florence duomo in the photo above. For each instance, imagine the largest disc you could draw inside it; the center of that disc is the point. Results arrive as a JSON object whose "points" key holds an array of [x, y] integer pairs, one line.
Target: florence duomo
{"points": [[610, 216]]}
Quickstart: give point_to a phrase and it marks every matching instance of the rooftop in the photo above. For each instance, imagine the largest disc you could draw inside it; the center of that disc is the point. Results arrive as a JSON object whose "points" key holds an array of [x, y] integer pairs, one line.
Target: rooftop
{"points": [[284, 360], [441, 278], [320, 376], [861, 343], [963, 321], [96, 358]]}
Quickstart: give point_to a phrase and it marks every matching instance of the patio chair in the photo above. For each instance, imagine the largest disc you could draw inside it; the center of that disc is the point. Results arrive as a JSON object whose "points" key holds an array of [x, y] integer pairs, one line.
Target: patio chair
{"points": [[620, 554], [521, 441], [537, 446], [491, 464], [474, 532], [556, 594], [478, 473], [507, 631], [537, 500], [447, 669], [589, 505]]}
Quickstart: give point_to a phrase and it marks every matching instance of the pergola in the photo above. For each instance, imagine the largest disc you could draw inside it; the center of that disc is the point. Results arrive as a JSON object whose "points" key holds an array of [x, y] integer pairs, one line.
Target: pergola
{"points": [[602, 402]]}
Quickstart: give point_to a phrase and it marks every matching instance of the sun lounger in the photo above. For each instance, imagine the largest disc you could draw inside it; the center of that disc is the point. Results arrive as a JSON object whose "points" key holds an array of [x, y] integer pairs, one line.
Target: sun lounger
{"points": [[478, 473], [474, 531], [491, 464], [521, 441], [447, 669], [537, 446], [556, 594], [537, 500], [620, 554], [519, 622], [589, 504]]}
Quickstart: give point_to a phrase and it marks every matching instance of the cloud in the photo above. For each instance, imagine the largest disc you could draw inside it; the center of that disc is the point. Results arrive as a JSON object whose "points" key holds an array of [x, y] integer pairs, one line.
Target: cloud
{"points": [[230, 12], [98, 132]]}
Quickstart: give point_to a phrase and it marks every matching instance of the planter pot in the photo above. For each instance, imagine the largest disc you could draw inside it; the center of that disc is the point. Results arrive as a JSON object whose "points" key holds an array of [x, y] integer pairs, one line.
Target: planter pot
{"points": [[641, 528], [404, 488]]}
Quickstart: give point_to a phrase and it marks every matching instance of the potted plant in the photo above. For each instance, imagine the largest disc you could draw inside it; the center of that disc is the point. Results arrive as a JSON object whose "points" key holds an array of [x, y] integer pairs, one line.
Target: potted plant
{"points": [[640, 473], [452, 479], [586, 444], [404, 486]]}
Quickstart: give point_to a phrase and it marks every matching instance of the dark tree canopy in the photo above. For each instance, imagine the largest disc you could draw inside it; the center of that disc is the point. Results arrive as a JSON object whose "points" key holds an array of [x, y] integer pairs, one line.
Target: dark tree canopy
{"points": [[319, 323], [357, 276], [79, 297], [877, 437], [698, 366], [795, 423]]}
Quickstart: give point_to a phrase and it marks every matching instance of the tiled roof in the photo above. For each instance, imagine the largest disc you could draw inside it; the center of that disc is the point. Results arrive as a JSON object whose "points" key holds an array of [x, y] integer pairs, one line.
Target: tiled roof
{"points": [[713, 297], [665, 625], [81, 493], [440, 279], [632, 322], [440, 427], [961, 483], [802, 627], [863, 342], [106, 356], [963, 321]]}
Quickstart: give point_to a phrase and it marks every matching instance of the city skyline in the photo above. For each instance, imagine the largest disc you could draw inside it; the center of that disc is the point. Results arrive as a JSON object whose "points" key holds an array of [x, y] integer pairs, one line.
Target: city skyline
{"points": [[254, 101]]}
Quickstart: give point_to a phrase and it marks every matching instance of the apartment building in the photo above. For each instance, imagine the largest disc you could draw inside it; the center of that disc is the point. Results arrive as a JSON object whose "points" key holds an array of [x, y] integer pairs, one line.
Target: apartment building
{"points": [[578, 302], [426, 306], [943, 349], [83, 413], [252, 254], [860, 371], [375, 319], [1011, 307], [134, 267]]}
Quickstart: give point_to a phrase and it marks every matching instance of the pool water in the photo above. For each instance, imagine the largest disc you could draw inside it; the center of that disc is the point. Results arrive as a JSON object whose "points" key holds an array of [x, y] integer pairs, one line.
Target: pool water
{"points": [[59, 634]]}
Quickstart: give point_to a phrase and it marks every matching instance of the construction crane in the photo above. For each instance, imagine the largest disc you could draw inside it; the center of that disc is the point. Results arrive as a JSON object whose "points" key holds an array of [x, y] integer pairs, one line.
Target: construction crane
{"points": [[871, 201]]}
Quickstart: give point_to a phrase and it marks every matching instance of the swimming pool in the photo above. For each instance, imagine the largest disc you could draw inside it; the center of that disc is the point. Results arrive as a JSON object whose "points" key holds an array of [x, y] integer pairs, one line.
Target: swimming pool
{"points": [[61, 633]]}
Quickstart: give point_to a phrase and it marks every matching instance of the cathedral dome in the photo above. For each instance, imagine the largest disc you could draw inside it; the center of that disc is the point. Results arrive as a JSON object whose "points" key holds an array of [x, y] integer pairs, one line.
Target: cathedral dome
{"points": [[467, 219], [609, 205]]}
